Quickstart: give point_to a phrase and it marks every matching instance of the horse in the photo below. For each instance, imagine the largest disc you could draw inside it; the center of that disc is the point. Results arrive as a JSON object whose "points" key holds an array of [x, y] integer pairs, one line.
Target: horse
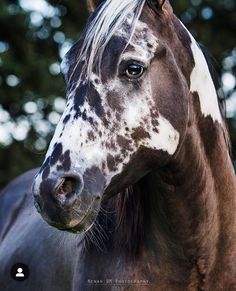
{"points": [[137, 190]]}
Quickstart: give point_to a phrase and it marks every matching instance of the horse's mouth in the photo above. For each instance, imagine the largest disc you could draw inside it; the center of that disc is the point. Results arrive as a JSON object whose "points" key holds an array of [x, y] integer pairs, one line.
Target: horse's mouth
{"points": [[80, 224], [84, 225]]}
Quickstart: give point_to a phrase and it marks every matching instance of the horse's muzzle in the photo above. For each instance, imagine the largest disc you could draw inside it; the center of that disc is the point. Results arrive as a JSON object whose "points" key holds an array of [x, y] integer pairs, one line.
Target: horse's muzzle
{"points": [[69, 201]]}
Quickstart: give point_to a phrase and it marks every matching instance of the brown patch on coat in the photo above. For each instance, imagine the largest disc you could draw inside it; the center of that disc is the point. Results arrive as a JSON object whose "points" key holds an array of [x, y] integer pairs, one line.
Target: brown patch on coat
{"points": [[139, 133], [123, 142], [91, 136], [111, 163]]}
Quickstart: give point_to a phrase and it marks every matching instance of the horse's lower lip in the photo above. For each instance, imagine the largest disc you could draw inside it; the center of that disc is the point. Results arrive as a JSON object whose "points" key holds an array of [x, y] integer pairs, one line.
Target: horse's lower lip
{"points": [[70, 220], [82, 226], [85, 223]]}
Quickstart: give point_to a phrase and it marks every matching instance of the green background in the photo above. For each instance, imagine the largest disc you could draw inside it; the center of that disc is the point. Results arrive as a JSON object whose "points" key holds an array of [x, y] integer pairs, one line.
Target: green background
{"points": [[32, 43]]}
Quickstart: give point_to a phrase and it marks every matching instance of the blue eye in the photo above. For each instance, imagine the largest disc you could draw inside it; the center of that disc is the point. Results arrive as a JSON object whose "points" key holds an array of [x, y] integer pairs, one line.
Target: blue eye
{"points": [[134, 71]]}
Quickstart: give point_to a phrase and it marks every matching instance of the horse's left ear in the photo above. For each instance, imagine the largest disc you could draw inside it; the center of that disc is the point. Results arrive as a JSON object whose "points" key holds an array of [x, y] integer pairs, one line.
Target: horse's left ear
{"points": [[92, 4]]}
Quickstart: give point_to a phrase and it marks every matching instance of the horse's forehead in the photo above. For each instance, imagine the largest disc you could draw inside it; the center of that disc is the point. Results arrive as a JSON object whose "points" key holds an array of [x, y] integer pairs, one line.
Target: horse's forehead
{"points": [[143, 37]]}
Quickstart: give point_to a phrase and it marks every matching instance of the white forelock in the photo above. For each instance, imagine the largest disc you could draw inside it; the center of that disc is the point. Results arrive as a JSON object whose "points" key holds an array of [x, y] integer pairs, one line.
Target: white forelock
{"points": [[104, 25]]}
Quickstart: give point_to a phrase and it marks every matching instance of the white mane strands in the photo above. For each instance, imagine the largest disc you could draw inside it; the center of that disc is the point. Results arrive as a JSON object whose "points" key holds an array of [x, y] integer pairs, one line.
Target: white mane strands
{"points": [[104, 25]]}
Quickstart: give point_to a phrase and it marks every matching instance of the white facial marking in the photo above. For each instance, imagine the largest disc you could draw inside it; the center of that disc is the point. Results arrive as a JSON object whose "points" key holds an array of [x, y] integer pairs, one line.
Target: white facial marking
{"points": [[167, 139], [201, 82], [134, 109]]}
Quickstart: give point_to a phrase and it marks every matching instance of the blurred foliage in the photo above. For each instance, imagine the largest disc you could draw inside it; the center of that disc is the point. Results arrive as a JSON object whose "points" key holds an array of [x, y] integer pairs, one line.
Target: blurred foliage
{"points": [[34, 36]]}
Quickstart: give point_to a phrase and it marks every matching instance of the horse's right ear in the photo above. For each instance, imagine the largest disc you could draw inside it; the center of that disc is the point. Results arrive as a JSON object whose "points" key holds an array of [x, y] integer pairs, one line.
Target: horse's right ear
{"points": [[92, 4], [159, 5]]}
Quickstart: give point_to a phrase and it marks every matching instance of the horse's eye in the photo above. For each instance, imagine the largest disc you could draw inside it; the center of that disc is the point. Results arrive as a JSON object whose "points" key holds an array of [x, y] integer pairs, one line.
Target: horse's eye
{"points": [[134, 71]]}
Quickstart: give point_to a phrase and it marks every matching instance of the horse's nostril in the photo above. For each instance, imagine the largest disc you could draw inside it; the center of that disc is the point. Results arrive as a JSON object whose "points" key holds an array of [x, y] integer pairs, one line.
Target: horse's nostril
{"points": [[69, 186]]}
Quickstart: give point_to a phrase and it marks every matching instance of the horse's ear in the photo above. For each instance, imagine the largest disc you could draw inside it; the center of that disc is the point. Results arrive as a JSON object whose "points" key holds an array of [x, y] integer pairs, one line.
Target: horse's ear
{"points": [[159, 5], [92, 4]]}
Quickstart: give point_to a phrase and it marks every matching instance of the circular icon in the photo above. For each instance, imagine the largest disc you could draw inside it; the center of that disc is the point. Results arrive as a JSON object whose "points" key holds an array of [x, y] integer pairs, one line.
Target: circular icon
{"points": [[20, 272]]}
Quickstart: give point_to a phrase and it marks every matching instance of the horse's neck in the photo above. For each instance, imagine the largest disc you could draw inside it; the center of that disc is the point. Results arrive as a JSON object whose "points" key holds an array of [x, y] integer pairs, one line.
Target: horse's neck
{"points": [[178, 221], [193, 216]]}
